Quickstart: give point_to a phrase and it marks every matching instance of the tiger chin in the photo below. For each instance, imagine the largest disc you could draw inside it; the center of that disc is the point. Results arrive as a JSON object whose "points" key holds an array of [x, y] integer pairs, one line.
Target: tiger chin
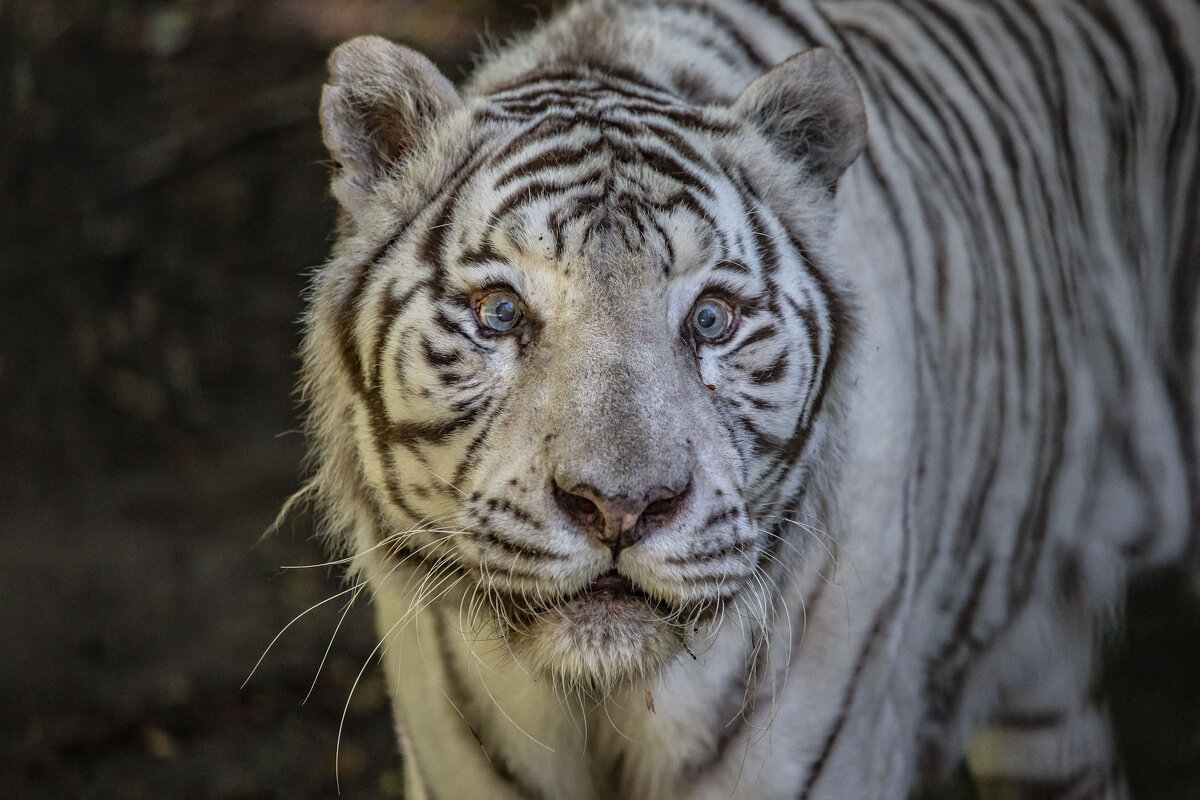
{"points": [[729, 399], [608, 635]]}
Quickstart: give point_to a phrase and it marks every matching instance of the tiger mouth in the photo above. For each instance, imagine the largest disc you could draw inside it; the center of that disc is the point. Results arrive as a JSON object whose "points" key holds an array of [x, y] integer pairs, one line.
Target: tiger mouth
{"points": [[612, 586], [611, 590]]}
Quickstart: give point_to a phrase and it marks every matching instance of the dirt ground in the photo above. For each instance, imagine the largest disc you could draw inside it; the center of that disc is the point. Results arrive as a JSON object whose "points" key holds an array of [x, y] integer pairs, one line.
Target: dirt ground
{"points": [[162, 197]]}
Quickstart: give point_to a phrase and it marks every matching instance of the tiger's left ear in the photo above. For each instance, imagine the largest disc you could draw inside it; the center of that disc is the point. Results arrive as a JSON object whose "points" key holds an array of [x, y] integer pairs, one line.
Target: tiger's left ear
{"points": [[809, 106]]}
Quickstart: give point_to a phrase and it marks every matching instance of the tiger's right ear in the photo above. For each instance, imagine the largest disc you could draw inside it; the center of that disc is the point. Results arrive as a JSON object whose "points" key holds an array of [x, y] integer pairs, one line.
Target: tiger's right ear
{"points": [[380, 101]]}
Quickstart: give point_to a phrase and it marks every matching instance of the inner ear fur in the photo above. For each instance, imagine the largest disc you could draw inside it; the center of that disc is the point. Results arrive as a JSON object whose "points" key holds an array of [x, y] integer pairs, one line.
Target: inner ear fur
{"points": [[380, 100], [810, 107]]}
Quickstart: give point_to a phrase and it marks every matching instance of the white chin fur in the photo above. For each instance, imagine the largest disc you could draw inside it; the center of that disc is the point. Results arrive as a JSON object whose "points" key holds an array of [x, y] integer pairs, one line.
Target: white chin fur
{"points": [[599, 644]]}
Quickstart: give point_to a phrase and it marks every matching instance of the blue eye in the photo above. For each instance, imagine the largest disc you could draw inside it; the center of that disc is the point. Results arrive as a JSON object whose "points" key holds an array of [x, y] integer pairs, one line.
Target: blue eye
{"points": [[500, 311], [712, 318]]}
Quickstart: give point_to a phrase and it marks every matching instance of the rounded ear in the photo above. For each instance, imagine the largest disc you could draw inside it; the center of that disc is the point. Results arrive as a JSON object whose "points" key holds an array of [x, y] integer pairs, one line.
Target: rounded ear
{"points": [[809, 106], [380, 100]]}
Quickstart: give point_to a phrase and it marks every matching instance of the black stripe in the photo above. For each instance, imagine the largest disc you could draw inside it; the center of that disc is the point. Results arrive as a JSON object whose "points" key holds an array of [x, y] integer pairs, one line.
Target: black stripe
{"points": [[683, 199], [947, 669], [638, 93], [723, 23], [885, 613], [346, 317], [392, 308], [664, 163], [1176, 58], [791, 22], [436, 357], [485, 253], [766, 332], [552, 158], [542, 130], [543, 189], [413, 432], [503, 506], [734, 266], [668, 245], [1057, 104], [619, 78], [678, 145], [464, 336], [773, 373], [837, 307], [758, 402], [931, 143], [468, 460], [764, 444], [394, 492], [812, 332], [708, 554], [1185, 280], [723, 515]]}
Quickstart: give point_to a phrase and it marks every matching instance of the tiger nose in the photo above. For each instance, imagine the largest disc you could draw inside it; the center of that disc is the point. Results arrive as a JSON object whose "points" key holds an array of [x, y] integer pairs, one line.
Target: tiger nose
{"points": [[618, 520]]}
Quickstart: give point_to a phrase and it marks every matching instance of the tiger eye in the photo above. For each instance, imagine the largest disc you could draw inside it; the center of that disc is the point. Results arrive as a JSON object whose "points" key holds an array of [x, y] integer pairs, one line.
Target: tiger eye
{"points": [[500, 311], [712, 318]]}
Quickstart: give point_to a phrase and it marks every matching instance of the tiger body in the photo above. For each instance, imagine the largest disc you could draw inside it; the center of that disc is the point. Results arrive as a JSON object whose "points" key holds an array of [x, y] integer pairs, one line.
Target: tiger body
{"points": [[883, 521]]}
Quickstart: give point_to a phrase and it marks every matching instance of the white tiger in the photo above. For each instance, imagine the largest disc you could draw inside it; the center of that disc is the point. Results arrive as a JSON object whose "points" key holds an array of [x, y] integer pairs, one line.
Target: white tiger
{"points": [[764, 398]]}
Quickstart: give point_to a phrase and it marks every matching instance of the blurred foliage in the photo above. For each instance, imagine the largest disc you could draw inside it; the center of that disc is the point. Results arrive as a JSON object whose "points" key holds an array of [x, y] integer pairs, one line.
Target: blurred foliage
{"points": [[162, 194]]}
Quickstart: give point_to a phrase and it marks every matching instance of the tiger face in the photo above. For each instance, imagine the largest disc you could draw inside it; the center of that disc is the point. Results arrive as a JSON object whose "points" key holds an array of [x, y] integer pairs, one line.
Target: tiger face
{"points": [[569, 364]]}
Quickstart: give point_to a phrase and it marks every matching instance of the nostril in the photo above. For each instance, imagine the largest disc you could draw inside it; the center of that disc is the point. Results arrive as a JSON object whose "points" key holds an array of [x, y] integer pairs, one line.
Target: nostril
{"points": [[578, 508], [662, 510], [618, 520]]}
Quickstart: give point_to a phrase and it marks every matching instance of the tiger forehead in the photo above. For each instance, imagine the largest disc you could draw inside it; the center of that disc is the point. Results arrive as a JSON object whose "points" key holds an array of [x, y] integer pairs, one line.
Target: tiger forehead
{"points": [[559, 121], [581, 88], [603, 251], [607, 179]]}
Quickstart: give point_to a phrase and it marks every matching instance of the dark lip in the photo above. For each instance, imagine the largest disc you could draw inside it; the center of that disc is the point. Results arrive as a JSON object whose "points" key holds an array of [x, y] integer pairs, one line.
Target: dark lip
{"points": [[609, 589], [612, 585]]}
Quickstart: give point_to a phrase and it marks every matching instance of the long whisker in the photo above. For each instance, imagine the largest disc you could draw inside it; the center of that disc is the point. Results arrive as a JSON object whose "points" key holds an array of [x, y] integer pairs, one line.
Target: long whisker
{"points": [[819, 536], [415, 529], [328, 647], [401, 621], [284, 629], [500, 708], [443, 480]]}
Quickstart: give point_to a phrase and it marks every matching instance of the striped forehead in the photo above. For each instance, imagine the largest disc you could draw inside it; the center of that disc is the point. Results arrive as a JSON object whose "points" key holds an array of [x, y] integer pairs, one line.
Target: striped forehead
{"points": [[598, 168], [581, 91]]}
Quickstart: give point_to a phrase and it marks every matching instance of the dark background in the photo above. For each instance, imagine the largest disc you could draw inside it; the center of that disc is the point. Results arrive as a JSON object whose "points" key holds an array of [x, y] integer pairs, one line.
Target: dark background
{"points": [[162, 198]]}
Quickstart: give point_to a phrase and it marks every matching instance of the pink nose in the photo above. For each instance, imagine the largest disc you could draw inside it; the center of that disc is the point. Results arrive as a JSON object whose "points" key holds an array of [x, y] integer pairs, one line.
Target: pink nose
{"points": [[618, 521]]}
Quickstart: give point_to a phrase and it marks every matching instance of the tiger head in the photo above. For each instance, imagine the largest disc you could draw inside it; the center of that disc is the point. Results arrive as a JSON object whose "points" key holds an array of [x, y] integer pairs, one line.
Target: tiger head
{"points": [[571, 362]]}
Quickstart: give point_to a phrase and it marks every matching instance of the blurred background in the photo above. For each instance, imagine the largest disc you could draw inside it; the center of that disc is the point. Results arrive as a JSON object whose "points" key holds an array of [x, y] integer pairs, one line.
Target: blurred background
{"points": [[162, 199]]}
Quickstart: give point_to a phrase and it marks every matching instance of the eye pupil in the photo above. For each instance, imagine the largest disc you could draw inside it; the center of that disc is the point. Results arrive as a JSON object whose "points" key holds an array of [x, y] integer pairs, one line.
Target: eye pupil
{"points": [[500, 311], [712, 318]]}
